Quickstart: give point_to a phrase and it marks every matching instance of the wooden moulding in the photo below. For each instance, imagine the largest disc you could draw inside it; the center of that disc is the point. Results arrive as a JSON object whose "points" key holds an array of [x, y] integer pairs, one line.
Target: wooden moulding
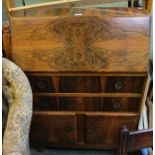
{"points": [[81, 44], [85, 74], [85, 113], [89, 94], [48, 12]]}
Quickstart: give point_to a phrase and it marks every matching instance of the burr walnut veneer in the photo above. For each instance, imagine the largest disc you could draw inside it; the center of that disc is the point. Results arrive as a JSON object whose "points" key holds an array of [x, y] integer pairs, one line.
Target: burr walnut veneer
{"points": [[88, 73]]}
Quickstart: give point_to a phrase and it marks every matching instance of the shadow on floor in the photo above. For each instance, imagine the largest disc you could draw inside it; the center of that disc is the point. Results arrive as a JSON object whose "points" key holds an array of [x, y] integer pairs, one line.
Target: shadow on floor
{"points": [[71, 152]]}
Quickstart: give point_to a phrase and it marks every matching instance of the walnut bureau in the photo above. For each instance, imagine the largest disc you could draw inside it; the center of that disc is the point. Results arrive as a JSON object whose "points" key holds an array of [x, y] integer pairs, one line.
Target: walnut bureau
{"points": [[88, 74]]}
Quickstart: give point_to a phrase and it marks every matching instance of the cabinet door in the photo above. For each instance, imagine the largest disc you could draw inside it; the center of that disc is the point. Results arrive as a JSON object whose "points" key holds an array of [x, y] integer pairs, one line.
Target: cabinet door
{"points": [[53, 128], [104, 129]]}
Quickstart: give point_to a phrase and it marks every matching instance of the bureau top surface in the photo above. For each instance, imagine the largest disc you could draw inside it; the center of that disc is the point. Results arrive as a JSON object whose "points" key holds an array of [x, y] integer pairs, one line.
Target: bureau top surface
{"points": [[47, 11], [81, 43]]}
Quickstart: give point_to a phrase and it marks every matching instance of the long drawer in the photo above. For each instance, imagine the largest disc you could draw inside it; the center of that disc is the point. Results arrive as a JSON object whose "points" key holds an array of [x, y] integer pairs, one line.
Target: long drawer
{"points": [[115, 84], [45, 103]]}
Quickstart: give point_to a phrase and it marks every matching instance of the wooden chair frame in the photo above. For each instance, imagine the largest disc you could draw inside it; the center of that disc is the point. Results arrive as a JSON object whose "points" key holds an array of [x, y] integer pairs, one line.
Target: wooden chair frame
{"points": [[10, 5], [134, 140]]}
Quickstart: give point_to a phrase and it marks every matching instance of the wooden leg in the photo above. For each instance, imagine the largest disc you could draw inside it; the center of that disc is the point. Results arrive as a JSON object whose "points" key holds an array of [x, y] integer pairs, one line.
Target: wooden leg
{"points": [[122, 146], [6, 38]]}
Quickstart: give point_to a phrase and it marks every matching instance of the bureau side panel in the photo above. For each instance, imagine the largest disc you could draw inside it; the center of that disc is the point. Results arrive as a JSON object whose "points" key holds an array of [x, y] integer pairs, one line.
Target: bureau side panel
{"points": [[85, 43]]}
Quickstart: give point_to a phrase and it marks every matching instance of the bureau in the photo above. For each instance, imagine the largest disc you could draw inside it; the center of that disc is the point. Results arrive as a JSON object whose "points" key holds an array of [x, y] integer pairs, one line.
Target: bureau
{"points": [[88, 72]]}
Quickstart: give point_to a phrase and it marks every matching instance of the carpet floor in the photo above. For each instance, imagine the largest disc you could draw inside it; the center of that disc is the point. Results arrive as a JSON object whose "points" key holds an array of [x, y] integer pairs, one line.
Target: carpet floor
{"points": [[71, 152]]}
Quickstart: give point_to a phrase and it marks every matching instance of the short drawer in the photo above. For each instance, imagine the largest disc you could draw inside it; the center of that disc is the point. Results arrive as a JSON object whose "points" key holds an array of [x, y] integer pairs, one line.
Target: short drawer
{"points": [[45, 103], [121, 104], [124, 84], [104, 129], [53, 128], [41, 84]]}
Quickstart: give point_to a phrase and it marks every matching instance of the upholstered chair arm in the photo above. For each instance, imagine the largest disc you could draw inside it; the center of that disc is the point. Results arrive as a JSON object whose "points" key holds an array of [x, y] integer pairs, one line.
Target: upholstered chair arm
{"points": [[16, 88]]}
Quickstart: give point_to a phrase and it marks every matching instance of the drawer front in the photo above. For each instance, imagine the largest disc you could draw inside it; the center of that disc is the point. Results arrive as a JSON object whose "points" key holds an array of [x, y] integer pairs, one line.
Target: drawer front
{"points": [[121, 104], [45, 103], [125, 84], [86, 104], [41, 84], [89, 84], [53, 128], [105, 129]]}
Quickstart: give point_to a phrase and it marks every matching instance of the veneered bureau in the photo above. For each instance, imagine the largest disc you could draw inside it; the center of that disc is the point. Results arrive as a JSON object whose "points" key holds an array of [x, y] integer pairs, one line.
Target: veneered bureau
{"points": [[88, 71]]}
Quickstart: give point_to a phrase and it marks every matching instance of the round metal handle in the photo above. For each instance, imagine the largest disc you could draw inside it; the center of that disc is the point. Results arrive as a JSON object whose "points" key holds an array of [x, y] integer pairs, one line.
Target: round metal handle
{"points": [[119, 85], [116, 105], [41, 85], [91, 130]]}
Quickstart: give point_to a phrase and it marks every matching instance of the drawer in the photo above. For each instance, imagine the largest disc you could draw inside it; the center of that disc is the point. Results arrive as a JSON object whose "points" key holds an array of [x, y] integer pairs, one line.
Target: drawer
{"points": [[121, 104], [111, 104], [125, 84], [104, 129], [53, 128], [41, 84], [87, 84]]}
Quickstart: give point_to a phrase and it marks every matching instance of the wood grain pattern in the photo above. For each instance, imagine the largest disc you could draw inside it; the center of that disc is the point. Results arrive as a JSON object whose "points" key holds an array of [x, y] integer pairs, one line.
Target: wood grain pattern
{"points": [[114, 74], [86, 104], [6, 40], [86, 93], [86, 43], [125, 84], [134, 140], [54, 128], [86, 84], [102, 50], [121, 104], [144, 137], [76, 85], [99, 129], [90, 94], [61, 128], [47, 11]]}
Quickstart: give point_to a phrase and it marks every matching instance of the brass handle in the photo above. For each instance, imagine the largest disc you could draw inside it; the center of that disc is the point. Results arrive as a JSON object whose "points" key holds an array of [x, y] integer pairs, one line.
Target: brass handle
{"points": [[119, 85], [91, 130]]}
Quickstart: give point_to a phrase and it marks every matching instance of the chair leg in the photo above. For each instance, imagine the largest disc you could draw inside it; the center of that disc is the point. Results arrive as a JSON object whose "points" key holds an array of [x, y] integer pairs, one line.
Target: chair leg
{"points": [[122, 146]]}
